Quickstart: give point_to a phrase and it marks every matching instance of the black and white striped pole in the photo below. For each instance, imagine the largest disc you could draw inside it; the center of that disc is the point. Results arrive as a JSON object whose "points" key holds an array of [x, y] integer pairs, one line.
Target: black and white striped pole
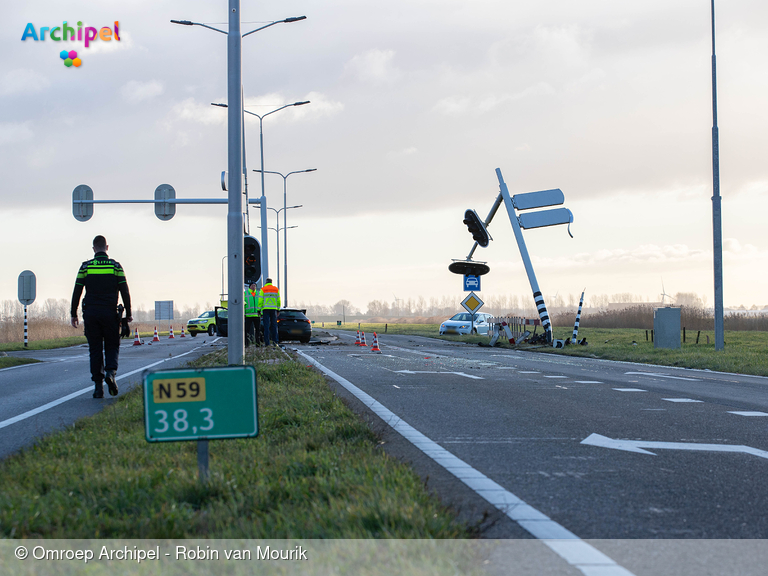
{"points": [[27, 294], [578, 319]]}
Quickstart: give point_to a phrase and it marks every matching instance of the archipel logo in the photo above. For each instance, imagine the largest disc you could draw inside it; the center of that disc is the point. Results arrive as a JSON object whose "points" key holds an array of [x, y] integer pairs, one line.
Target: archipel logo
{"points": [[64, 33]]}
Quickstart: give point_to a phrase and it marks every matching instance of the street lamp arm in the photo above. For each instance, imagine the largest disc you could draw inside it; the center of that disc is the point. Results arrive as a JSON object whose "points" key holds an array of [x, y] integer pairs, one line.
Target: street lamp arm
{"points": [[189, 23], [286, 21]]}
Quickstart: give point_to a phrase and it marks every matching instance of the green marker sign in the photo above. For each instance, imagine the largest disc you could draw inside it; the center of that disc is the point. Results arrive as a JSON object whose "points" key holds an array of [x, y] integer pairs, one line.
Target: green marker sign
{"points": [[200, 404]]}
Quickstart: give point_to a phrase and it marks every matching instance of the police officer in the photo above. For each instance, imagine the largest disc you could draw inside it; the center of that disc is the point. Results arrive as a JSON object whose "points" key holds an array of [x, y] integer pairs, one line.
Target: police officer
{"points": [[102, 279], [252, 320], [269, 304]]}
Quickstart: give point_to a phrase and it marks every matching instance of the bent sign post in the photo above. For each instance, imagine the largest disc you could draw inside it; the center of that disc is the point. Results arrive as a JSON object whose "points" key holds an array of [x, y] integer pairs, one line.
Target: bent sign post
{"points": [[200, 404]]}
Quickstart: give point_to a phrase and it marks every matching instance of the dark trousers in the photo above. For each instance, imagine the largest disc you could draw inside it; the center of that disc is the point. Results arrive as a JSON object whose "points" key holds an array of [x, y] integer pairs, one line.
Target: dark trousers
{"points": [[102, 329], [252, 330], [269, 317]]}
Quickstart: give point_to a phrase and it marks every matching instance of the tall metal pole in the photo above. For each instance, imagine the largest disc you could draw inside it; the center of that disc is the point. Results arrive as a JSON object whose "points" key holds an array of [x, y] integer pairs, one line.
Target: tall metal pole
{"points": [[235, 272], [285, 241], [264, 231], [537, 297], [717, 230]]}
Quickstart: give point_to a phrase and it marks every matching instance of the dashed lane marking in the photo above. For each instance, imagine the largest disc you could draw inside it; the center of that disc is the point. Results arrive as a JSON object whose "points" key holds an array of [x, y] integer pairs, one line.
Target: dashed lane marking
{"points": [[578, 553], [630, 390]]}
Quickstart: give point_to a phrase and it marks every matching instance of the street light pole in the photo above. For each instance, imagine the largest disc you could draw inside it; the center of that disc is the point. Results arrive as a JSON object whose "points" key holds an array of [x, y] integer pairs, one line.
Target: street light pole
{"points": [[236, 338], [717, 219], [285, 222], [263, 199], [236, 335], [277, 236]]}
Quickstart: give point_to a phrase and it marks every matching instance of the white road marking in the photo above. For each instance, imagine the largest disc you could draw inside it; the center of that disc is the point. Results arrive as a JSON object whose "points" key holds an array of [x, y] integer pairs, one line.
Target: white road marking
{"points": [[587, 382], [437, 372], [396, 386], [555, 376], [506, 368], [556, 537], [54, 403], [681, 400], [657, 375], [529, 372], [748, 413], [638, 445], [630, 390]]}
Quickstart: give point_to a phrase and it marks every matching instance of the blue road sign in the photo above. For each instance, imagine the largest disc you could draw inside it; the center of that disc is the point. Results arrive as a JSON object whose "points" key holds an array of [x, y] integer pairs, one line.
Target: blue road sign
{"points": [[471, 283]]}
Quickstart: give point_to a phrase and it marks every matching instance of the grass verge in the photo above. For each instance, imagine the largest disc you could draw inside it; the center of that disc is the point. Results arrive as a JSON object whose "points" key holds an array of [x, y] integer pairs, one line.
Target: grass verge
{"points": [[315, 471], [43, 344], [744, 353], [9, 361]]}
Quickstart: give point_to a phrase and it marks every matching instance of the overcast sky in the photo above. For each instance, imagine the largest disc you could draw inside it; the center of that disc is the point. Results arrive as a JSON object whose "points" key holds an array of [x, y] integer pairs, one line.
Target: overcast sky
{"points": [[414, 105]]}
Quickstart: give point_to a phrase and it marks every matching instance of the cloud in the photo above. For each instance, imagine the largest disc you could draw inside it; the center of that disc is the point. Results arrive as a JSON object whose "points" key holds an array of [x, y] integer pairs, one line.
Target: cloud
{"points": [[102, 47], [374, 67], [319, 106], [199, 112], [11, 133], [410, 151], [136, 91], [458, 105], [22, 81]]}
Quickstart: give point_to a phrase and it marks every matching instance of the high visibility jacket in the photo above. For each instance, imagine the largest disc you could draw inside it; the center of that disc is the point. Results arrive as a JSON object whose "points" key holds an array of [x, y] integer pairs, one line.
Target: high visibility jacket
{"points": [[102, 278], [269, 298], [251, 300]]}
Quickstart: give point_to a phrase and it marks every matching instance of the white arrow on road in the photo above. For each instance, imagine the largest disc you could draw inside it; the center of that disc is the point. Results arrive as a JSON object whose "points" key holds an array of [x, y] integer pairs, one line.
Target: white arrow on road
{"points": [[638, 445], [657, 375], [432, 372]]}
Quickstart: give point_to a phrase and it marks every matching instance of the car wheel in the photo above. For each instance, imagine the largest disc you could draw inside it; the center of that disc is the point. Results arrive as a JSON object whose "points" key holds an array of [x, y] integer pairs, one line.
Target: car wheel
{"points": [[304, 340], [211, 329], [193, 334]]}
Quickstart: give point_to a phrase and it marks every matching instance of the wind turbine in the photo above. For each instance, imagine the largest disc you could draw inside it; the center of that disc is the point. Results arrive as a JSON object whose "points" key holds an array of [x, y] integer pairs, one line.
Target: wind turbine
{"points": [[664, 293]]}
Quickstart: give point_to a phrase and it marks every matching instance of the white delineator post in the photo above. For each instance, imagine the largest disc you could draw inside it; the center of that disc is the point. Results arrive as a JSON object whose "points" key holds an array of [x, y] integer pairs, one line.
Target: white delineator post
{"points": [[26, 339], [537, 297]]}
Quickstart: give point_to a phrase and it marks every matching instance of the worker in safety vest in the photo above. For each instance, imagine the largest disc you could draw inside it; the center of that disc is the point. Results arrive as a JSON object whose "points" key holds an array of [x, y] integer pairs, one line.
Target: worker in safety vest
{"points": [[252, 319], [269, 304]]}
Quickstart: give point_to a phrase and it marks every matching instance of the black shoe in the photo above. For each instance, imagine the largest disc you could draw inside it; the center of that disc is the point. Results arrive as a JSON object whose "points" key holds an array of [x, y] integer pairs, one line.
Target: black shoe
{"points": [[98, 393], [111, 384]]}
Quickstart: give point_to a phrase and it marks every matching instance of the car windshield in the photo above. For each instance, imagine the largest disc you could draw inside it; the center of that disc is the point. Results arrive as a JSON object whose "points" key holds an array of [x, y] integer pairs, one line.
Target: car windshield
{"points": [[462, 317], [206, 315]]}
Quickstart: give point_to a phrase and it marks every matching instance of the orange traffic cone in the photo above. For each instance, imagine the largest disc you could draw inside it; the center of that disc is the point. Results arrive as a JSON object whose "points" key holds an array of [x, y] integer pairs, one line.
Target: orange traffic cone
{"points": [[375, 347], [362, 339], [357, 339], [155, 338], [171, 330], [182, 332], [137, 341]]}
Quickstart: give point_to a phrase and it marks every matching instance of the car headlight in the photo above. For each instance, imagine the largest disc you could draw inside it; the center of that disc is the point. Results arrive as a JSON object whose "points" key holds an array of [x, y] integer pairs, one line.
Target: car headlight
{"points": [[463, 326]]}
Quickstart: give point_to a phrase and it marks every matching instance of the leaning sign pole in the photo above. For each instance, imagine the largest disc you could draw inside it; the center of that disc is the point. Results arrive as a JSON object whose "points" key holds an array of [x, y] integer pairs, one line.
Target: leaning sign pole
{"points": [[235, 343], [537, 297]]}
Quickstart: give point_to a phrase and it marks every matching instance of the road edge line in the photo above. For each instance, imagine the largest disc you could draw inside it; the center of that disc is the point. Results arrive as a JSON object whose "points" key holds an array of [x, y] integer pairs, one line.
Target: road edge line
{"points": [[575, 551]]}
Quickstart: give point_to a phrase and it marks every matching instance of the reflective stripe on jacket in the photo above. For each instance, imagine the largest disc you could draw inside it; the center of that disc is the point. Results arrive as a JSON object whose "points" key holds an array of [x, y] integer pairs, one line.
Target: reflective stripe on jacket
{"points": [[251, 303], [103, 279], [269, 298]]}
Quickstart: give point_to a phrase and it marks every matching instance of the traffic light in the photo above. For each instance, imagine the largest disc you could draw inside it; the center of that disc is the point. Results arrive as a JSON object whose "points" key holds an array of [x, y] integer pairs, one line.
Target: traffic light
{"points": [[476, 228], [251, 260]]}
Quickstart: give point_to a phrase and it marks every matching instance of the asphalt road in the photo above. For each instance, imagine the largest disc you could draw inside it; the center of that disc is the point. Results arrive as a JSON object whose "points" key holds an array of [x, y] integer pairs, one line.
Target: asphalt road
{"points": [[38, 398], [599, 449]]}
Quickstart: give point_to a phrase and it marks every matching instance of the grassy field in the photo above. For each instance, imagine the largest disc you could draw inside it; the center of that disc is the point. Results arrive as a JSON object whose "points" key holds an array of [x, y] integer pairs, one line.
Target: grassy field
{"points": [[745, 352], [315, 471]]}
